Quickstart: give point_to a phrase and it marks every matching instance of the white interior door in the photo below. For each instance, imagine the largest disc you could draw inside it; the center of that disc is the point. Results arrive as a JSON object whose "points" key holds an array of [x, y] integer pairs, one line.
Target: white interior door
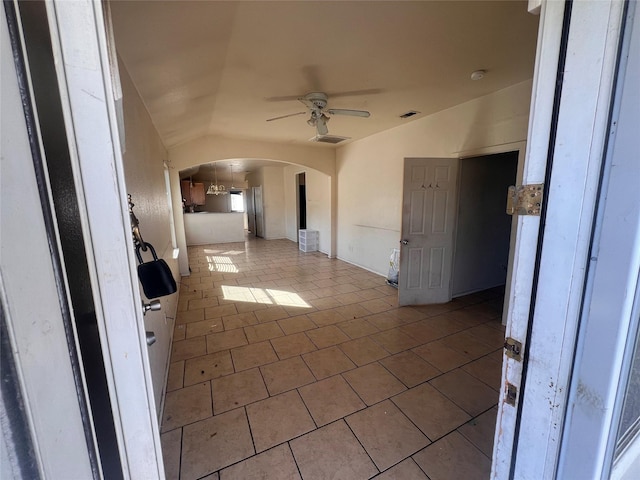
{"points": [[428, 219]]}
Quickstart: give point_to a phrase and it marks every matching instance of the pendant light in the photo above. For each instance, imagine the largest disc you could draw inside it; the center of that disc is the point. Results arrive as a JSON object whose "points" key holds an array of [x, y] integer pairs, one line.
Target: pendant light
{"points": [[215, 188]]}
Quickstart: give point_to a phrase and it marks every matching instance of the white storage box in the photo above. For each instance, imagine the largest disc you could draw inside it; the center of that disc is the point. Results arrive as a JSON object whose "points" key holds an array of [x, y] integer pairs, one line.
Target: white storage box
{"points": [[308, 240]]}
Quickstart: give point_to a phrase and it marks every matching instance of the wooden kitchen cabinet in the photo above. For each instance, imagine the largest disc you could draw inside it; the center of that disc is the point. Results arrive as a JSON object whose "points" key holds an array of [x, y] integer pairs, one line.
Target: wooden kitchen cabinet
{"points": [[193, 193]]}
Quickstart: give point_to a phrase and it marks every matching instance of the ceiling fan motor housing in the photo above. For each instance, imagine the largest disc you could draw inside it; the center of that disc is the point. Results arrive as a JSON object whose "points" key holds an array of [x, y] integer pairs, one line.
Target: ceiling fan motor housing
{"points": [[318, 99]]}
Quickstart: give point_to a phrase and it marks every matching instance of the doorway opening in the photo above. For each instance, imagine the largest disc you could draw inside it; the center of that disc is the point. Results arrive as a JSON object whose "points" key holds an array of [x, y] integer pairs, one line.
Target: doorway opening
{"points": [[483, 232], [301, 201]]}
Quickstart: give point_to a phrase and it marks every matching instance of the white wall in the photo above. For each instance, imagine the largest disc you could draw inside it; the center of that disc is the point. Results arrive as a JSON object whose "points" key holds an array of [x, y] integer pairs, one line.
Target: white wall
{"points": [[318, 193], [144, 177], [369, 171]]}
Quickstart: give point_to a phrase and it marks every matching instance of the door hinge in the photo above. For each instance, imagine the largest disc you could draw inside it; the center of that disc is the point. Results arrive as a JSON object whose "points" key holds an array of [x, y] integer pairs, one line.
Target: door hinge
{"points": [[525, 199], [513, 349], [511, 396]]}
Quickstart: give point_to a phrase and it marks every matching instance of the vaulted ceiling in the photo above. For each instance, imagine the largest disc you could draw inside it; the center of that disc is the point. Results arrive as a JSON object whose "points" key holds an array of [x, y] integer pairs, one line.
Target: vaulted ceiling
{"points": [[225, 67]]}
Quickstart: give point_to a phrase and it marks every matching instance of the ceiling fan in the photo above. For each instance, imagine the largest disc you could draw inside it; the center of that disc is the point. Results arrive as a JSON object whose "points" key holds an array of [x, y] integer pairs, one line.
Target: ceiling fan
{"points": [[316, 102]]}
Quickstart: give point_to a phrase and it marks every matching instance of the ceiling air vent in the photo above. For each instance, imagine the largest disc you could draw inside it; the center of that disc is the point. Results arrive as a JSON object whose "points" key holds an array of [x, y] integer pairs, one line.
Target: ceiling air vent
{"points": [[408, 114], [328, 139]]}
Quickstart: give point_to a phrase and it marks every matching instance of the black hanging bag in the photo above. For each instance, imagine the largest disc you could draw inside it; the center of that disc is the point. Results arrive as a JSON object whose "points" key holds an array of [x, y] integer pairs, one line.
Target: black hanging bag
{"points": [[155, 276]]}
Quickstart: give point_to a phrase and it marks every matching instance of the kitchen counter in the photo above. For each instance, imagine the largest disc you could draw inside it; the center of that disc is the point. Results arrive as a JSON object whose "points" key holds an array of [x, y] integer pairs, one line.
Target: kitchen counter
{"points": [[203, 228]]}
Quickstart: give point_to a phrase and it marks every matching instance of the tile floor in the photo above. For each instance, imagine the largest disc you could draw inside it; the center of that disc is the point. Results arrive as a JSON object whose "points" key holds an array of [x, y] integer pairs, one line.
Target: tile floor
{"points": [[289, 365]]}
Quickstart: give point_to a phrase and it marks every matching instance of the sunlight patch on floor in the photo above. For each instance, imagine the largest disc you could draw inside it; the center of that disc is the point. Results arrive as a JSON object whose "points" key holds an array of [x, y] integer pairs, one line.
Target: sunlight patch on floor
{"points": [[265, 296], [221, 264]]}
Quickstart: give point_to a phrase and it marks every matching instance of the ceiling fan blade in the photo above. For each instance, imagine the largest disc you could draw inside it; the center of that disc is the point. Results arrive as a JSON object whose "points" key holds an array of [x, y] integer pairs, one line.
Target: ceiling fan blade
{"points": [[285, 116], [353, 113], [354, 93]]}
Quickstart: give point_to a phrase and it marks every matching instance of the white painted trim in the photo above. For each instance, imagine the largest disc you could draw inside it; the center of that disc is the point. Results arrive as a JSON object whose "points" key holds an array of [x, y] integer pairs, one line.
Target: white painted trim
{"points": [[609, 324], [520, 286], [570, 198], [80, 45]]}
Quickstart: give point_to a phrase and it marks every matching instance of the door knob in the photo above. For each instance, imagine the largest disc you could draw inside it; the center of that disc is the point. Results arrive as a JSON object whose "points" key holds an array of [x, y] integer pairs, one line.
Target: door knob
{"points": [[151, 338], [404, 242], [153, 305]]}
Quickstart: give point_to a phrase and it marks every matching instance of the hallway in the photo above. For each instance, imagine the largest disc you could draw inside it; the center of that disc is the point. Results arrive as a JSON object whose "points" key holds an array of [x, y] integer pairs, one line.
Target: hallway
{"points": [[290, 365]]}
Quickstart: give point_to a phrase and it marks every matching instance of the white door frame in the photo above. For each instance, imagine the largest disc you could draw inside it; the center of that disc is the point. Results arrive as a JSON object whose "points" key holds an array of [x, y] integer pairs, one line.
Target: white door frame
{"points": [[610, 316], [37, 327], [549, 277], [80, 48]]}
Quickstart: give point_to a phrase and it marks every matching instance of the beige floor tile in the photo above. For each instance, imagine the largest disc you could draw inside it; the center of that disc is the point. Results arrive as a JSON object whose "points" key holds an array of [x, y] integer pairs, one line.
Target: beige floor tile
{"points": [[330, 399], [179, 332], [353, 311], [422, 331], [253, 355], [278, 419], [327, 362], [206, 367], [204, 327], [376, 305], [357, 328], [292, 345], [197, 303], [441, 356], [296, 324], [472, 395], [489, 334], [189, 348], [286, 375], [239, 320], [271, 314], [480, 431], [262, 332], [277, 463], [325, 303], [220, 311], [395, 341], [215, 443], [327, 336], [373, 383], [171, 447], [246, 307], [486, 369], [189, 316], [420, 404], [175, 378], [318, 306], [386, 434], [186, 405], [385, 321], [467, 345], [332, 452], [452, 458], [470, 316], [217, 342], [409, 368], [236, 390], [323, 318], [405, 470], [348, 298], [363, 351]]}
